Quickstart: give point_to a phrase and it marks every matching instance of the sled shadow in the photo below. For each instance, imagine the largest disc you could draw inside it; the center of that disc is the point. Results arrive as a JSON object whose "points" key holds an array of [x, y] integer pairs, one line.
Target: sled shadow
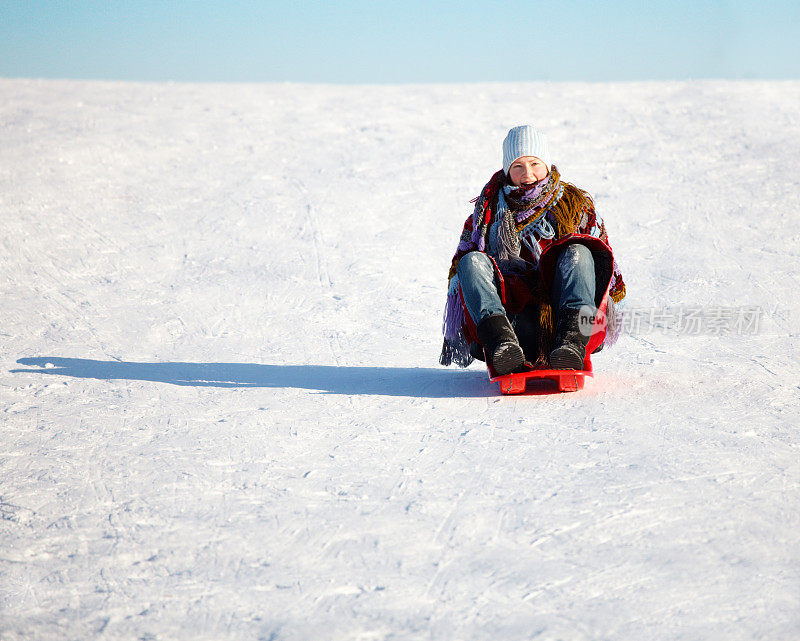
{"points": [[330, 379]]}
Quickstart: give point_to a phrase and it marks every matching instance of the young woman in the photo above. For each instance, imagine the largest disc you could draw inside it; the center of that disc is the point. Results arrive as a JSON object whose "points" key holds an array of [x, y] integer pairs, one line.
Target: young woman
{"points": [[533, 273]]}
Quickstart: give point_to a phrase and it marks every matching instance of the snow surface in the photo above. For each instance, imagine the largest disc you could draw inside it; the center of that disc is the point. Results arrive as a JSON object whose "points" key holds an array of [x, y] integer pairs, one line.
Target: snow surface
{"points": [[223, 416]]}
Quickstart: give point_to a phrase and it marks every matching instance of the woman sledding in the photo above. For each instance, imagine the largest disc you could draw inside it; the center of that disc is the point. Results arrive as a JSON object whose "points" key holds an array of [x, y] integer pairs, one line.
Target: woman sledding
{"points": [[530, 282]]}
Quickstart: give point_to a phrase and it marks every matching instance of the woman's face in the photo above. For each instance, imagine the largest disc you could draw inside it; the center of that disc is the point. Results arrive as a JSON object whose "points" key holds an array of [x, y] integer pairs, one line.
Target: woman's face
{"points": [[527, 170]]}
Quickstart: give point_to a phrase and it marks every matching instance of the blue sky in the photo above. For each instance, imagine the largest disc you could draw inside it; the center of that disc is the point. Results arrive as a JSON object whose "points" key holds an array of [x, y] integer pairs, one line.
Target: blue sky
{"points": [[399, 42]]}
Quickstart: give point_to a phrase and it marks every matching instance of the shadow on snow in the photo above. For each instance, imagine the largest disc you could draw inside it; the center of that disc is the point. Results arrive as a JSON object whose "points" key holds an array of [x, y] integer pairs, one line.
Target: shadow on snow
{"points": [[378, 381]]}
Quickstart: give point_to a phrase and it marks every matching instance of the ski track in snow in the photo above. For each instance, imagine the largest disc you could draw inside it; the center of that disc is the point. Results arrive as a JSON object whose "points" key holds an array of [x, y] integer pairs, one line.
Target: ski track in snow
{"points": [[222, 411]]}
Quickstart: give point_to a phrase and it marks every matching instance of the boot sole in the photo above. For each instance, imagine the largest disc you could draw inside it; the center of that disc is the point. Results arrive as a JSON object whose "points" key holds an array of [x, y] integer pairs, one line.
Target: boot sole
{"points": [[506, 358], [565, 358]]}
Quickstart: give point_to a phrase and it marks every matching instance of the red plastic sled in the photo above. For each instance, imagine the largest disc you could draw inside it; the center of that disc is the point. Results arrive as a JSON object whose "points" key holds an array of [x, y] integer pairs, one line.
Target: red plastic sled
{"points": [[567, 380]]}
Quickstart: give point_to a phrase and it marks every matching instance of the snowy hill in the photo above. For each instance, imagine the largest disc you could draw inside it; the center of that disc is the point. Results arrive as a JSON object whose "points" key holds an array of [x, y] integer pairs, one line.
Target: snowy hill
{"points": [[223, 416]]}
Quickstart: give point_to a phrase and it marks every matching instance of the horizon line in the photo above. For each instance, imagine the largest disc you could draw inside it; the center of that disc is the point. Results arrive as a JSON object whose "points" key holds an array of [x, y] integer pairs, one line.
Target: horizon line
{"points": [[165, 81]]}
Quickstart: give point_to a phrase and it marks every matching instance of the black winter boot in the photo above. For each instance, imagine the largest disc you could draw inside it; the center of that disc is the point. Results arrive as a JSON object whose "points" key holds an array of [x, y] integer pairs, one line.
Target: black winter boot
{"points": [[500, 344], [570, 341]]}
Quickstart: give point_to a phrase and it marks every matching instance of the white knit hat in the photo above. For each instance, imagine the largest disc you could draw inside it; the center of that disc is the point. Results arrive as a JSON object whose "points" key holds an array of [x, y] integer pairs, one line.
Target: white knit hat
{"points": [[525, 141]]}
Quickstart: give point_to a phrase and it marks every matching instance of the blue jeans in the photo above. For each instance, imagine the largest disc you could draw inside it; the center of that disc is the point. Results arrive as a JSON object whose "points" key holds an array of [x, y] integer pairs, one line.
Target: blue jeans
{"points": [[573, 282]]}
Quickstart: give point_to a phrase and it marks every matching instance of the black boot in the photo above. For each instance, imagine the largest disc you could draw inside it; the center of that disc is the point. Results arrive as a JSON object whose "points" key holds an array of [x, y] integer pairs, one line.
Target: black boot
{"points": [[500, 344], [570, 341]]}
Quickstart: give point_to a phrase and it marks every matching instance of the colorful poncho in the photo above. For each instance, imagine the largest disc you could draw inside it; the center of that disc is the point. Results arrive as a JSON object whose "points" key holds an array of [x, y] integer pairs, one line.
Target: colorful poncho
{"points": [[508, 224]]}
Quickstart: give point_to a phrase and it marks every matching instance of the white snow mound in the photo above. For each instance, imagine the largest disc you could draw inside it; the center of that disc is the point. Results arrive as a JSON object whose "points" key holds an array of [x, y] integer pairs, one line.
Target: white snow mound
{"points": [[223, 416]]}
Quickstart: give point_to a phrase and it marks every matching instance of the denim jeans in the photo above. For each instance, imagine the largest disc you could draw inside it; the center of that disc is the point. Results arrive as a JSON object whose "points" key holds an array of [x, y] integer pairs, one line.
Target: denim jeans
{"points": [[573, 282]]}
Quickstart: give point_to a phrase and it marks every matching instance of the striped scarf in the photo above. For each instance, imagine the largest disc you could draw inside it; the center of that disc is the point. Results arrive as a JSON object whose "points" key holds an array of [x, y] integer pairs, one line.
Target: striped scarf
{"points": [[497, 229]]}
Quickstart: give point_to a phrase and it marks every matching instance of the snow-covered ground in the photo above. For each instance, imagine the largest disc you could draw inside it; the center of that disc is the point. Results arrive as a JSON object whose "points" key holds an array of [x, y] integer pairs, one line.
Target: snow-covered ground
{"points": [[222, 411]]}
